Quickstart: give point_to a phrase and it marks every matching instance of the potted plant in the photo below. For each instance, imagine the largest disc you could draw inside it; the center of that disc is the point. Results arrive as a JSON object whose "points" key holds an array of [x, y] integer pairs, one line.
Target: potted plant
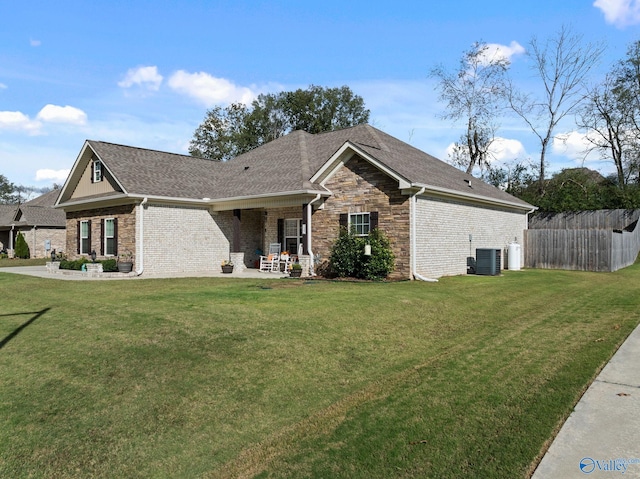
{"points": [[296, 270], [125, 262], [227, 266]]}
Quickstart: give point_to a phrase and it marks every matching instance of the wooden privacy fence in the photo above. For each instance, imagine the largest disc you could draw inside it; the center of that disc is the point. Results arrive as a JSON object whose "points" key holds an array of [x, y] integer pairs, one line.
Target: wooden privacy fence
{"points": [[605, 240]]}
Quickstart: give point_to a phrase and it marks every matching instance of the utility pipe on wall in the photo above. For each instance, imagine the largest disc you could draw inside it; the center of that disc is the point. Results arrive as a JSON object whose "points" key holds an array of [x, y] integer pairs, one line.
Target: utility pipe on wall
{"points": [[414, 238], [309, 208], [140, 256]]}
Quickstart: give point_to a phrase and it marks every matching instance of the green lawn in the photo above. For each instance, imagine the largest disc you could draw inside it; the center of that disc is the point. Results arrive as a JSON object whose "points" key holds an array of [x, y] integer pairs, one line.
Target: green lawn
{"points": [[219, 378]]}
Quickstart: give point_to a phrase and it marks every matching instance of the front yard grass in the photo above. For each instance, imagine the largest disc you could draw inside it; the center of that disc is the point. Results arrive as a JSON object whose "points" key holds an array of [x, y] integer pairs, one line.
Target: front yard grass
{"points": [[219, 378]]}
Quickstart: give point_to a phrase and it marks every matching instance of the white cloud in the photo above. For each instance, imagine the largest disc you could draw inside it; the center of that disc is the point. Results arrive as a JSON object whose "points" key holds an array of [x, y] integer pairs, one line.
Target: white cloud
{"points": [[574, 145], [3, 86], [496, 51], [58, 176], [501, 150], [146, 77], [16, 120], [35, 43], [621, 13], [208, 89], [62, 114], [505, 149]]}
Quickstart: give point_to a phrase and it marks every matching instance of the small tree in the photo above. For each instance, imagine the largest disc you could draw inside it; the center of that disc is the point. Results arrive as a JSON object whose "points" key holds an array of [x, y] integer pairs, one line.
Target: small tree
{"points": [[22, 248]]}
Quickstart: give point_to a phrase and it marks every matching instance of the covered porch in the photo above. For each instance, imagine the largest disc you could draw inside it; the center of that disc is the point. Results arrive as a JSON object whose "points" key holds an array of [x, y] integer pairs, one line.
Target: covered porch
{"points": [[286, 222]]}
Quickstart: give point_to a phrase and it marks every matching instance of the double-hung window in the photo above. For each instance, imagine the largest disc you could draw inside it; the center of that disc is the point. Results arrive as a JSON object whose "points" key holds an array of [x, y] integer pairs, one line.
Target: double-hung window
{"points": [[291, 235], [97, 171], [85, 237], [110, 237], [360, 223]]}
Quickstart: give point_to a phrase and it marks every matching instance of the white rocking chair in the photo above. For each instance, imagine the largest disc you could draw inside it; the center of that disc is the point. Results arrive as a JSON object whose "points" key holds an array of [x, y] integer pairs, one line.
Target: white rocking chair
{"points": [[271, 262]]}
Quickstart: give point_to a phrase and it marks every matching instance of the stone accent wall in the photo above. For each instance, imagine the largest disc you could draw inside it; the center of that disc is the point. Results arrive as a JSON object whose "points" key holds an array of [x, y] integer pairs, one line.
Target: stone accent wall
{"points": [[359, 187], [179, 239], [443, 229], [126, 216]]}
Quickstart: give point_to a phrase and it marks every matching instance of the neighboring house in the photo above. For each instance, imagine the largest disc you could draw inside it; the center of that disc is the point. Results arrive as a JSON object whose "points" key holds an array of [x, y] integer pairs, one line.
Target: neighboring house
{"points": [[178, 213], [42, 226]]}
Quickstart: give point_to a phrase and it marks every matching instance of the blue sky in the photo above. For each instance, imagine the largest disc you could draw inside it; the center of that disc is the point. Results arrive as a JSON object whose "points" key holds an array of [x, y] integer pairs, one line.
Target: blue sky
{"points": [[143, 73]]}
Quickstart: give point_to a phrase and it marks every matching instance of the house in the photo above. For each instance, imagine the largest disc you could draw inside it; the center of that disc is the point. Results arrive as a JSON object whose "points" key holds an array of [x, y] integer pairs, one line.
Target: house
{"points": [[178, 213], [42, 226]]}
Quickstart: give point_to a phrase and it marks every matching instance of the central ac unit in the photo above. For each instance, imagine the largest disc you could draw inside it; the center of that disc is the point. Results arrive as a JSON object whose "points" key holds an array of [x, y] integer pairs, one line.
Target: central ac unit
{"points": [[488, 261]]}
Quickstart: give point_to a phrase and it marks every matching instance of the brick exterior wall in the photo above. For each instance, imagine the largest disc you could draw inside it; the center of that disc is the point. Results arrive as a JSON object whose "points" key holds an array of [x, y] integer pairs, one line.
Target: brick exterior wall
{"points": [[179, 239], [360, 187], [36, 238], [126, 216], [443, 229]]}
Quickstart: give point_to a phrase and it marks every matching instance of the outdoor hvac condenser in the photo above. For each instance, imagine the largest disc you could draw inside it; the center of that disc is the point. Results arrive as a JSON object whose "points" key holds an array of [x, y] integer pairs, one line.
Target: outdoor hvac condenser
{"points": [[488, 261]]}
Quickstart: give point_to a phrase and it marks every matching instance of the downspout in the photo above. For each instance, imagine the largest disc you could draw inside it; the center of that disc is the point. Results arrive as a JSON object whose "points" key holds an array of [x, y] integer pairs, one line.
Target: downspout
{"points": [[309, 208], [140, 262], [11, 240], [414, 205]]}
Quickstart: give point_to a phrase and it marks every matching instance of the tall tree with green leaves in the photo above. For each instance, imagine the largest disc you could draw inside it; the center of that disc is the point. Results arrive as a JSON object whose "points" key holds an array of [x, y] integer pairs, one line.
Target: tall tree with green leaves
{"points": [[8, 194], [475, 94], [230, 131]]}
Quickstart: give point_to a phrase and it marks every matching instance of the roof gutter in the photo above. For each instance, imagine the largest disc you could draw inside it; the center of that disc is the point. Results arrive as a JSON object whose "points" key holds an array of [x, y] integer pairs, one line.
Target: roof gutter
{"points": [[479, 198]]}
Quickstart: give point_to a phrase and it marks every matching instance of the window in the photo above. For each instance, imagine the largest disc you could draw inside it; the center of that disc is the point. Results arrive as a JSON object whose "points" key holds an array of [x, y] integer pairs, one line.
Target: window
{"points": [[85, 237], [110, 237], [291, 235], [360, 224], [97, 171]]}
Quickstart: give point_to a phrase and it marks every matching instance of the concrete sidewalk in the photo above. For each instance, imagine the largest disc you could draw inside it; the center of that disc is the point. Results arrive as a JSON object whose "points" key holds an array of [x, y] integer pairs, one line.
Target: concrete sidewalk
{"points": [[41, 272], [601, 437]]}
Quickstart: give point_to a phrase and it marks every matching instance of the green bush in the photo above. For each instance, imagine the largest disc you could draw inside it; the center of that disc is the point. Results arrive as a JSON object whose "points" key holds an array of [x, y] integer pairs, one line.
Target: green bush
{"points": [[382, 261], [109, 265], [73, 265], [22, 248], [349, 261]]}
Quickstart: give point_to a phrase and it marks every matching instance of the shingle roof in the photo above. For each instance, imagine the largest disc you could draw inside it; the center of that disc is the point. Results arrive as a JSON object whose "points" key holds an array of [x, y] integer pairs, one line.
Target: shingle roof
{"points": [[284, 165], [41, 216], [36, 212], [6, 214]]}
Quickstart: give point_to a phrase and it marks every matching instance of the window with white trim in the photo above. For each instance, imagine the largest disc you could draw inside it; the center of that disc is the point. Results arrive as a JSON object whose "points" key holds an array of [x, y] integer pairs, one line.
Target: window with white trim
{"points": [[360, 223], [292, 235], [85, 239], [97, 171], [109, 237]]}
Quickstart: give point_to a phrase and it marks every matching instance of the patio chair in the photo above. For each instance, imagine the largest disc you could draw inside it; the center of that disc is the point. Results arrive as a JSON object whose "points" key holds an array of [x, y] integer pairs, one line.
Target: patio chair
{"points": [[271, 262]]}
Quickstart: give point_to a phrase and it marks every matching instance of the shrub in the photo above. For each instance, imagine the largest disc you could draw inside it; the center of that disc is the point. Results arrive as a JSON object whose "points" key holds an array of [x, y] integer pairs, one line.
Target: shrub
{"points": [[349, 261], [73, 265], [109, 265], [382, 261], [22, 248], [345, 254]]}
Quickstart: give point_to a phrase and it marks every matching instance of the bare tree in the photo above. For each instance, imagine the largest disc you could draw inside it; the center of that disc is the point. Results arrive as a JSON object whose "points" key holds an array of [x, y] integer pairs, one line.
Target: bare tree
{"points": [[611, 116], [562, 64], [474, 93]]}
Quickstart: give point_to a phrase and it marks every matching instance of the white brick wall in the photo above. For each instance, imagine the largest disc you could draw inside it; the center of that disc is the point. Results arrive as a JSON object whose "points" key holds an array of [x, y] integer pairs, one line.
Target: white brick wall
{"points": [[182, 239], [443, 229]]}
